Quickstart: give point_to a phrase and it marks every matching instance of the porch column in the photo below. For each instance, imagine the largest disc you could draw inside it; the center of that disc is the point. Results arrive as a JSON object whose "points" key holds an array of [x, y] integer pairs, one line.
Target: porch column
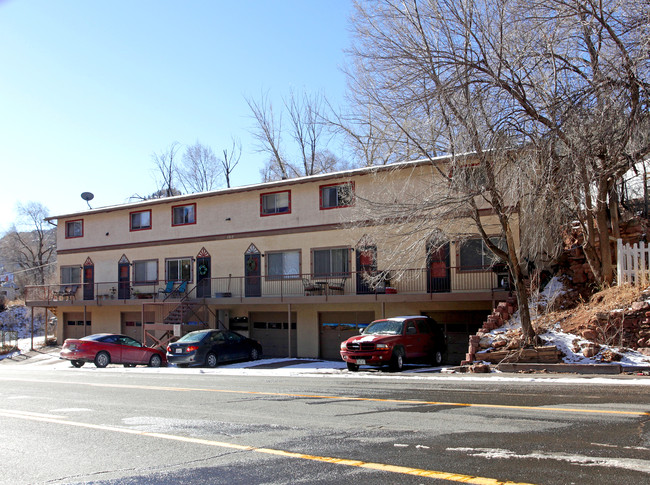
{"points": [[289, 329], [32, 347]]}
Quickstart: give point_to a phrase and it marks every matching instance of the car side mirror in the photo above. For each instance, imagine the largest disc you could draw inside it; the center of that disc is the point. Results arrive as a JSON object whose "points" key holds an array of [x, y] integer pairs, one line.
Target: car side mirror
{"points": [[361, 330]]}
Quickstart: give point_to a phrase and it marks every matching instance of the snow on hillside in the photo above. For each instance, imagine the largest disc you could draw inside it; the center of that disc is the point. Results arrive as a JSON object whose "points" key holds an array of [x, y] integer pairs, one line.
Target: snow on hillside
{"points": [[569, 344]]}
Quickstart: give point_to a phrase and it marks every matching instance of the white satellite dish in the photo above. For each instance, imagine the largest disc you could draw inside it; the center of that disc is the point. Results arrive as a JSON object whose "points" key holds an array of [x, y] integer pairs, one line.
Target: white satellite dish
{"points": [[87, 196]]}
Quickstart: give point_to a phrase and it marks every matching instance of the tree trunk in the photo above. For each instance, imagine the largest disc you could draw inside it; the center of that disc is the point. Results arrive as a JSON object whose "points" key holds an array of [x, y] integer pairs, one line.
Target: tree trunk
{"points": [[527, 330], [603, 234]]}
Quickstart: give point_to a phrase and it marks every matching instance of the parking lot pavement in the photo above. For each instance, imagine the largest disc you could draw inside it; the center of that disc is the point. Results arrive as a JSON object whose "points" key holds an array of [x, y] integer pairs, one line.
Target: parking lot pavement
{"points": [[49, 357]]}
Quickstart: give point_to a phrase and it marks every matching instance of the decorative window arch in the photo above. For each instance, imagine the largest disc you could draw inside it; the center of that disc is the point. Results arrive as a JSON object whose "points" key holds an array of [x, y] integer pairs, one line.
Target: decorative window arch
{"points": [[252, 249]]}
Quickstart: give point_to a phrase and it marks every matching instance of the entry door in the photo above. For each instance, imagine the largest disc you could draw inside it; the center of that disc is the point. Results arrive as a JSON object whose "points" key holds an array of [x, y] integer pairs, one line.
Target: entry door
{"points": [[253, 272], [89, 281], [203, 282], [366, 267], [438, 271], [123, 281]]}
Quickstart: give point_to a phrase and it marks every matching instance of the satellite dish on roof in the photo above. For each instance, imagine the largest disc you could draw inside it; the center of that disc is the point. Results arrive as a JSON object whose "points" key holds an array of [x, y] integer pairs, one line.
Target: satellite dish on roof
{"points": [[87, 196]]}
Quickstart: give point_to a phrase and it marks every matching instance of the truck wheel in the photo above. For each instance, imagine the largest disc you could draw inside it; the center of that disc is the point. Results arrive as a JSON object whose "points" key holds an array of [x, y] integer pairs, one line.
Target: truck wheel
{"points": [[437, 358], [352, 367], [397, 360]]}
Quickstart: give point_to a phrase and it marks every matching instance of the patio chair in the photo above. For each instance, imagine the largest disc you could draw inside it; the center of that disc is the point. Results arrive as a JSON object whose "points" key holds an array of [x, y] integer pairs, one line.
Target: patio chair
{"points": [[71, 292], [168, 289], [178, 291], [310, 288], [338, 285]]}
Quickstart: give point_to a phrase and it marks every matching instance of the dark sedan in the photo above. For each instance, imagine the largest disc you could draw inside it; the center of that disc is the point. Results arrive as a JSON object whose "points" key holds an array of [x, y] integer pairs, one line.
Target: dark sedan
{"points": [[107, 348], [211, 347]]}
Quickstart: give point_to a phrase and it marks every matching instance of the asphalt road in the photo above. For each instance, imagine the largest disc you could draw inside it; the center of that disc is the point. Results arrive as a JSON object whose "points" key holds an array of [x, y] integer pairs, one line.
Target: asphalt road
{"points": [[146, 427]]}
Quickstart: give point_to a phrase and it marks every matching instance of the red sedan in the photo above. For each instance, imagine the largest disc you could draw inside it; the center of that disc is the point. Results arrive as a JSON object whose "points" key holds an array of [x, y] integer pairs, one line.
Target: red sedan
{"points": [[107, 348]]}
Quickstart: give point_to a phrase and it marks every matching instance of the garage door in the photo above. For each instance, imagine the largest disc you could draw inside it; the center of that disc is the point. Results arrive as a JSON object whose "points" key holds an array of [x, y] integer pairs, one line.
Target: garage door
{"points": [[75, 326], [271, 329], [335, 327], [459, 325], [132, 324]]}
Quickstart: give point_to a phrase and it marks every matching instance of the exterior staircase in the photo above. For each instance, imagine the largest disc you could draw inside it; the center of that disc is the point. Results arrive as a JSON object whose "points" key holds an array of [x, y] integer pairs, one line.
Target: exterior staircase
{"points": [[181, 314]]}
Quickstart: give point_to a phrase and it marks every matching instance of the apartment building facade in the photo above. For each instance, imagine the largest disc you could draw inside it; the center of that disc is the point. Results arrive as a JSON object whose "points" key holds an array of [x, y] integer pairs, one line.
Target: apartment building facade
{"points": [[291, 263]]}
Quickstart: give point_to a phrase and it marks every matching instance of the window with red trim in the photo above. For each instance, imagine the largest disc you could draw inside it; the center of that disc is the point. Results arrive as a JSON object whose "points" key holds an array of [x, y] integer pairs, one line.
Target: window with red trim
{"points": [[275, 203], [336, 195], [183, 214], [74, 228], [140, 220]]}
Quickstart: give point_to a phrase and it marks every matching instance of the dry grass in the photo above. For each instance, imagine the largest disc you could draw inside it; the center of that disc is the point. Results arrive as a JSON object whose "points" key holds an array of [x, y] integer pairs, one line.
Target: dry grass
{"points": [[571, 321]]}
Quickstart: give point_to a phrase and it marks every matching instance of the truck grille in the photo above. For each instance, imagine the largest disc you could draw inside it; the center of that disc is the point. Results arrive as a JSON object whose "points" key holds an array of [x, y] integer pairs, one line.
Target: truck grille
{"points": [[367, 346]]}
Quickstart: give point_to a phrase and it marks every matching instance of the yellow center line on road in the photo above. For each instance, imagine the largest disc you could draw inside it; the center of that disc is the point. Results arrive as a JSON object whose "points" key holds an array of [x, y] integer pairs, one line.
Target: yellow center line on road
{"points": [[452, 477], [338, 398]]}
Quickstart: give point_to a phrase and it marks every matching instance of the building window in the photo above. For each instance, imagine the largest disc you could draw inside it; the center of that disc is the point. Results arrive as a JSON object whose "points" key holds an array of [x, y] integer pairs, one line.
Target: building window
{"points": [[70, 275], [178, 269], [275, 203], [475, 255], [145, 272], [74, 228], [284, 264], [140, 220], [184, 214], [336, 195], [331, 262]]}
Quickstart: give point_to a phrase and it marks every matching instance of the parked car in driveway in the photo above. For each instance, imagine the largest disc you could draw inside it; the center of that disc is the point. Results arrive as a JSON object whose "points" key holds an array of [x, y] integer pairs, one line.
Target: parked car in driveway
{"points": [[107, 348], [212, 347], [393, 341]]}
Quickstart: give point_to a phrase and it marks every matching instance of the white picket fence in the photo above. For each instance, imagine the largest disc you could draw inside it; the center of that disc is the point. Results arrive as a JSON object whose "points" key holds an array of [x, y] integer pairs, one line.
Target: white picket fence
{"points": [[633, 263]]}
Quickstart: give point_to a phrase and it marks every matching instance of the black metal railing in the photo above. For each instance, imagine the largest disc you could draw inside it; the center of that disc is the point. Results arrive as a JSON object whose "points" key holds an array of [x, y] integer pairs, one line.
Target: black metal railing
{"points": [[407, 281]]}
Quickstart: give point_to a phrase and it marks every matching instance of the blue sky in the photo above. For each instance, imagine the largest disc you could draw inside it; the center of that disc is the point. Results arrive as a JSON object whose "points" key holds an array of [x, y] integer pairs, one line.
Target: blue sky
{"points": [[90, 89]]}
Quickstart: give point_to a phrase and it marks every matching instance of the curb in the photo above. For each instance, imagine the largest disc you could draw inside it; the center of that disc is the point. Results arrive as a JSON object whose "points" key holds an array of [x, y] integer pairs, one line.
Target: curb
{"points": [[606, 369]]}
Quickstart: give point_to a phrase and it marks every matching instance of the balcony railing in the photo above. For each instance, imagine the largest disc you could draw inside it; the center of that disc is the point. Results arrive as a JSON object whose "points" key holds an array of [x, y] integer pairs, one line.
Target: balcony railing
{"points": [[410, 281]]}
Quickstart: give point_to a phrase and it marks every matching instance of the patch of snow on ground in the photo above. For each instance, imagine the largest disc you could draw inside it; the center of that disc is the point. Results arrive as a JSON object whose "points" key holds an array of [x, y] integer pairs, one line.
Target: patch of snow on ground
{"points": [[565, 341]]}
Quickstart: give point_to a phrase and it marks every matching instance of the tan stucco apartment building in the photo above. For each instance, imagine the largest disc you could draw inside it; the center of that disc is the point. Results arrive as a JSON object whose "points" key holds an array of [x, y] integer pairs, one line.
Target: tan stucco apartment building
{"points": [[285, 262]]}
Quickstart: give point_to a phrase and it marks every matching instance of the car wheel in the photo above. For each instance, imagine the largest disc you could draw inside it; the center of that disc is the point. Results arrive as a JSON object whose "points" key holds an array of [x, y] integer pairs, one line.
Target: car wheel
{"points": [[77, 363], [397, 360], [437, 357], [352, 367], [155, 361], [255, 354], [102, 359], [211, 360]]}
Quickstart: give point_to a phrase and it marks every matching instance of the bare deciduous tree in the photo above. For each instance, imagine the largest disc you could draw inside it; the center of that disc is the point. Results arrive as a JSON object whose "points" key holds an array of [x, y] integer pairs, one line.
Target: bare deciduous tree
{"points": [[511, 82], [230, 159], [200, 170], [166, 170], [307, 131], [30, 246], [269, 135]]}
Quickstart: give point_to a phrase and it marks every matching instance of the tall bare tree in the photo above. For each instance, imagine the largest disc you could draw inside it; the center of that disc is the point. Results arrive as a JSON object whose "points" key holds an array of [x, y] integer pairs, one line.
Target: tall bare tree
{"points": [[166, 170], [230, 159], [307, 154], [200, 170], [29, 247], [268, 134], [508, 81]]}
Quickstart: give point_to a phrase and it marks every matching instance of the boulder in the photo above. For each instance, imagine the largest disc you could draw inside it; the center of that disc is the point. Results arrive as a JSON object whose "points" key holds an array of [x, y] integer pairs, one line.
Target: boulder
{"points": [[591, 350], [589, 334]]}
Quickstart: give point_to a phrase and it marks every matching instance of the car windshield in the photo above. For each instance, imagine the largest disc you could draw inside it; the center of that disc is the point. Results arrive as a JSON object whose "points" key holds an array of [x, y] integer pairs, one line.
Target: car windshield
{"points": [[193, 336], [386, 327]]}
